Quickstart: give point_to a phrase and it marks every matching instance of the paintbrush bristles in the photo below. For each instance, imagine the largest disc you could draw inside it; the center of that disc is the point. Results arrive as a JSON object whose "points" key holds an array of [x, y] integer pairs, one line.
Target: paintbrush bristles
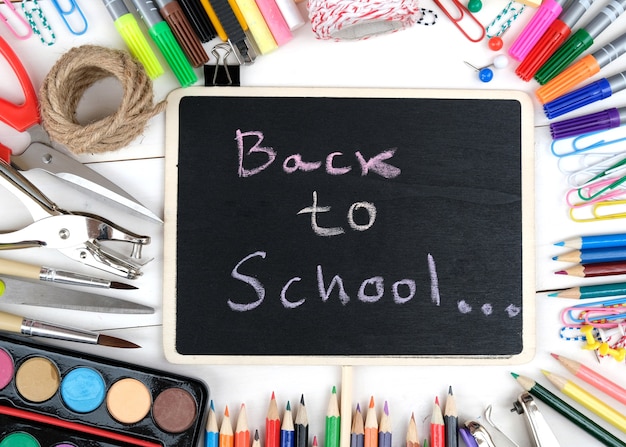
{"points": [[114, 342]]}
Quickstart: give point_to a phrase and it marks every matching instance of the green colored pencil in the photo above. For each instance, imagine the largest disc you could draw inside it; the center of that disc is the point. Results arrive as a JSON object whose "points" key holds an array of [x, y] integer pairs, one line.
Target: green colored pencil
{"points": [[589, 292], [333, 421], [568, 411]]}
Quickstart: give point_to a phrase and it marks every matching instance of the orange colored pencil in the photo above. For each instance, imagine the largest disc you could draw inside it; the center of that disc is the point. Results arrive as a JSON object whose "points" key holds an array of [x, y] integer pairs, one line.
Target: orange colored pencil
{"points": [[272, 424], [242, 432], [371, 426], [227, 439]]}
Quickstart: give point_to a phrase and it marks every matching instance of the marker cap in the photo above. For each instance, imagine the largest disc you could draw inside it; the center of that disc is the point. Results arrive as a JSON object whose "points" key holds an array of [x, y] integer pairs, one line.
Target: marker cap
{"points": [[139, 47], [163, 37], [545, 15], [606, 119], [545, 47], [568, 79], [578, 98], [565, 55]]}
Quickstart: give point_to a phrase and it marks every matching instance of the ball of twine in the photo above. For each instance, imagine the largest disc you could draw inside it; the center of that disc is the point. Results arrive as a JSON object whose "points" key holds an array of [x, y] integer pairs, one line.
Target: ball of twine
{"points": [[64, 86]]}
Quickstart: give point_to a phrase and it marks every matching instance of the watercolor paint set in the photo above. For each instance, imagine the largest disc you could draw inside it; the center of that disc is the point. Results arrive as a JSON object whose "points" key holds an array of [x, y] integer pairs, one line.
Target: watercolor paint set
{"points": [[52, 397]]}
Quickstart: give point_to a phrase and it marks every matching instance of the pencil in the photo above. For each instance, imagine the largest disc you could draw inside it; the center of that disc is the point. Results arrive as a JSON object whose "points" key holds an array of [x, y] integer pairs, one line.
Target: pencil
{"points": [[242, 432], [357, 432], [589, 292], [371, 426], [272, 424], [256, 440], [212, 435], [593, 378], [333, 421], [437, 426], [287, 430], [384, 428], [411, 434], [594, 255], [595, 241], [568, 411], [226, 431], [588, 400], [597, 269], [451, 420], [302, 425]]}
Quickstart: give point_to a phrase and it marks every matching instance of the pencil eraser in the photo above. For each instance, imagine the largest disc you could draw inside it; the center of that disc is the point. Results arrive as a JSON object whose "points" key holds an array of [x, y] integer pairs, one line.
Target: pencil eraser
{"points": [[531, 3]]}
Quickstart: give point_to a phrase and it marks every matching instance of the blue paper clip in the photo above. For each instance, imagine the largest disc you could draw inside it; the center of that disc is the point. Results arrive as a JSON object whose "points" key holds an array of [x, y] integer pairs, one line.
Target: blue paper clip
{"points": [[579, 143], [65, 13], [602, 310], [462, 12], [28, 31]]}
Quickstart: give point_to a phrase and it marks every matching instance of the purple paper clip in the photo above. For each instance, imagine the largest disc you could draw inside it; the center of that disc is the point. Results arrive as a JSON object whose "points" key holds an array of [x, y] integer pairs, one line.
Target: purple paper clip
{"points": [[593, 122]]}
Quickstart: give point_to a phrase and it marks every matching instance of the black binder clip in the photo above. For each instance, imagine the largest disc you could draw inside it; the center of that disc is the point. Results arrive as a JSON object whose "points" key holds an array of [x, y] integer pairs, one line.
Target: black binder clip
{"points": [[222, 73]]}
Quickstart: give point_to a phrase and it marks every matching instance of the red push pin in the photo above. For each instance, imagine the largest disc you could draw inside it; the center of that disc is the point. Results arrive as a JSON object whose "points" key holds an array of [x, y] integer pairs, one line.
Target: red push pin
{"points": [[496, 43]]}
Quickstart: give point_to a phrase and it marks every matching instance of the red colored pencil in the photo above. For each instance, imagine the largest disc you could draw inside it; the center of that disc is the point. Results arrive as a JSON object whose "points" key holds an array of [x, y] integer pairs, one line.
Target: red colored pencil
{"points": [[437, 426], [595, 269], [272, 424], [242, 432]]}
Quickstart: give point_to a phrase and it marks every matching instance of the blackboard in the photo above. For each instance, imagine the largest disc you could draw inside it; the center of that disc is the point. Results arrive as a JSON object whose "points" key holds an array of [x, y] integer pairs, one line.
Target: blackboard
{"points": [[348, 226]]}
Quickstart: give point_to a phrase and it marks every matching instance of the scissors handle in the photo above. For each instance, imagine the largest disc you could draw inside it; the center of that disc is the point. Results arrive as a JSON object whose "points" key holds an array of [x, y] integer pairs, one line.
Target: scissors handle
{"points": [[19, 116]]}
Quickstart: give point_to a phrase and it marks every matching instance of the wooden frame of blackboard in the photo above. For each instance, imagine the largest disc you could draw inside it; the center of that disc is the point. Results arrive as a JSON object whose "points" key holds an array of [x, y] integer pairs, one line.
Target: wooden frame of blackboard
{"points": [[195, 119]]}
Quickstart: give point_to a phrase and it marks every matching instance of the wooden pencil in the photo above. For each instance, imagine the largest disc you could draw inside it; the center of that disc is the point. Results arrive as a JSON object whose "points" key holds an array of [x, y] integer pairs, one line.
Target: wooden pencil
{"points": [[242, 432], [593, 378], [592, 256], [595, 291], [256, 440], [301, 426], [357, 432], [370, 438], [437, 426], [226, 431], [412, 439], [598, 269], [212, 435], [287, 430], [333, 421], [384, 428], [272, 424], [451, 420]]}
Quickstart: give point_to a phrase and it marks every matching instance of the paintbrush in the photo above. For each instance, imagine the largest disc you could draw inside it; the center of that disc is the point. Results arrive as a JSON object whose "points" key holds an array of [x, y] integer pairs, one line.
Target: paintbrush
{"points": [[26, 326], [47, 274]]}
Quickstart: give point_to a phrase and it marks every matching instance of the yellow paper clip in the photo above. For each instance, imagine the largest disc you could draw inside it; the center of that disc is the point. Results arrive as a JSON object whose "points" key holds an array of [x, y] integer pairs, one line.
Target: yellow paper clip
{"points": [[463, 13]]}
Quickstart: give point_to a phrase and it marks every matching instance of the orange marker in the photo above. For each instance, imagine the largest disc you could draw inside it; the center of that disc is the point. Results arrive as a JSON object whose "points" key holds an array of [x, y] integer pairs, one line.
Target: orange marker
{"points": [[371, 426]]}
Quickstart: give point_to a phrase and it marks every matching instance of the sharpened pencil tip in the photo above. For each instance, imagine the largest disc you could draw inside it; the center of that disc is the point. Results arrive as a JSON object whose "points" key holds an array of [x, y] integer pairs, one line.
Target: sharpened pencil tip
{"points": [[560, 272], [122, 286], [556, 356], [515, 376], [553, 295], [560, 244], [114, 342]]}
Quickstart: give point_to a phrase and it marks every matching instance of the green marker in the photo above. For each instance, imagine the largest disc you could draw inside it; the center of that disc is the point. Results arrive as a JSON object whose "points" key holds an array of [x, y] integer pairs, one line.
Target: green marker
{"points": [[162, 35], [128, 28]]}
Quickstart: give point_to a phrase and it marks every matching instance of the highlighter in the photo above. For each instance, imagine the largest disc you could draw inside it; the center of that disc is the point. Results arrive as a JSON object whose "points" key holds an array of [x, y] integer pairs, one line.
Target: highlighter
{"points": [[128, 28], [590, 93], [581, 70], [544, 16], [185, 35], [162, 35], [552, 38], [580, 41]]}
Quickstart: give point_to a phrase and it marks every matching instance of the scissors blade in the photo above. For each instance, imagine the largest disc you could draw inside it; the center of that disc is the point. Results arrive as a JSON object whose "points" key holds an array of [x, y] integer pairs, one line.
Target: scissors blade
{"points": [[52, 161], [50, 295]]}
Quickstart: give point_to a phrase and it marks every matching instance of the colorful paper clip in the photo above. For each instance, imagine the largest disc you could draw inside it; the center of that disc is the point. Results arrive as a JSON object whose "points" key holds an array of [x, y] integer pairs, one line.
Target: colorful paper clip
{"points": [[504, 19], [75, 14], [462, 13], [590, 141], [603, 314], [20, 21], [38, 22]]}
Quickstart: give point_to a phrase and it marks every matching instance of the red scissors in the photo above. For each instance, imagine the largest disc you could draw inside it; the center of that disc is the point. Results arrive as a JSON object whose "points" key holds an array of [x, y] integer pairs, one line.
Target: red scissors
{"points": [[40, 154]]}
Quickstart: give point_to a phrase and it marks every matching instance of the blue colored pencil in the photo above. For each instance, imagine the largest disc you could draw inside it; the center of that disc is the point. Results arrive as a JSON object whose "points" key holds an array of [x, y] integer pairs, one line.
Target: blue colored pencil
{"points": [[593, 255], [596, 241], [287, 430], [212, 438]]}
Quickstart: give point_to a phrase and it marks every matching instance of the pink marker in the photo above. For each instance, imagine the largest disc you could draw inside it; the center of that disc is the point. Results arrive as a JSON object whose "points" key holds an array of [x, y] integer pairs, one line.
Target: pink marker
{"points": [[545, 15]]}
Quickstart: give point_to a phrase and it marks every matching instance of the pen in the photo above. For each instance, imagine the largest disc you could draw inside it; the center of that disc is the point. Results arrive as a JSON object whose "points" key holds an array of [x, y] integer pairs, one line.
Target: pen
{"points": [[581, 70], [47, 274], [536, 27], [26, 326], [569, 412], [554, 35], [187, 38], [162, 35], [128, 28], [580, 41], [603, 120], [590, 93]]}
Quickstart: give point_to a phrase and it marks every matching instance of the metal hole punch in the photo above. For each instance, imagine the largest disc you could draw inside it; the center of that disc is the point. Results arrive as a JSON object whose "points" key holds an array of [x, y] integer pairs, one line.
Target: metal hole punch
{"points": [[540, 431]]}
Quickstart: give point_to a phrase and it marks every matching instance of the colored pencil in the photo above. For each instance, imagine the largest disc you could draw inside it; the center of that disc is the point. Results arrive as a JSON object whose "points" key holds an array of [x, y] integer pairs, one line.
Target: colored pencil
{"points": [[451, 420], [227, 438], [384, 428], [256, 440], [371, 426], [314, 444], [357, 432], [302, 425], [593, 378], [242, 432], [595, 241], [568, 411], [594, 255], [597, 269], [272, 424], [437, 426], [588, 400], [287, 430], [412, 439], [589, 292], [212, 435], [333, 421]]}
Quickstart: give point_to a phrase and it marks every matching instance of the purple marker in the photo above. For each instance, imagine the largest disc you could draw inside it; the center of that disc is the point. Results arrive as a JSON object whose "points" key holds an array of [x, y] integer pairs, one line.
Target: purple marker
{"points": [[467, 437], [592, 92], [593, 122]]}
